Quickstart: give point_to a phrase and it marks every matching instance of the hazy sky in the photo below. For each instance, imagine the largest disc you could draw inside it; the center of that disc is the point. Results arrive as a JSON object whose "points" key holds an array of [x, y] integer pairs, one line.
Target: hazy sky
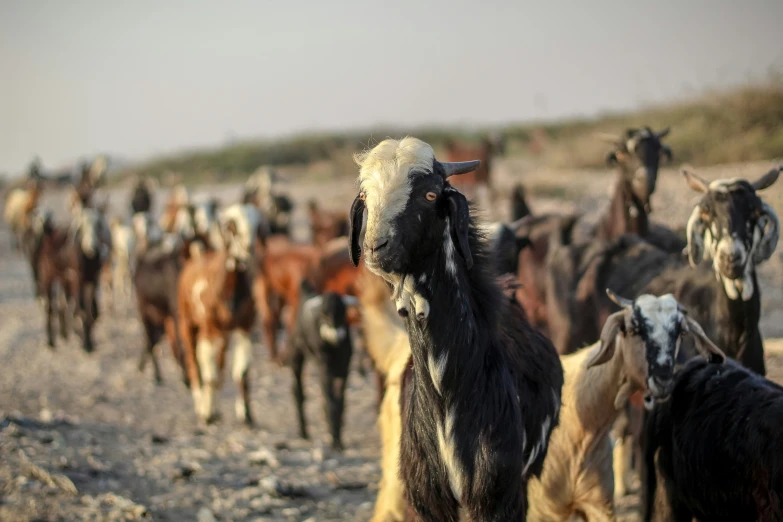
{"points": [[139, 78]]}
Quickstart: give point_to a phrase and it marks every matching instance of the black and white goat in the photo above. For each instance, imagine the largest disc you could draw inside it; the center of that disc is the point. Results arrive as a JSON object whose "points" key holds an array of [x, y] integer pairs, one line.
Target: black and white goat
{"points": [[322, 333], [717, 445], [482, 392]]}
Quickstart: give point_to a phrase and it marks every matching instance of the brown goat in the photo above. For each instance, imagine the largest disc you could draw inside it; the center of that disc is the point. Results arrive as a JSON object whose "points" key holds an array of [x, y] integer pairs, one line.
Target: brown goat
{"points": [[215, 299], [326, 225], [280, 272]]}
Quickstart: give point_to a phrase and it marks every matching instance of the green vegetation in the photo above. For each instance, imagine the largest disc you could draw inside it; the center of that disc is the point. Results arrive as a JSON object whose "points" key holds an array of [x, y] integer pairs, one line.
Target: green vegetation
{"points": [[740, 124]]}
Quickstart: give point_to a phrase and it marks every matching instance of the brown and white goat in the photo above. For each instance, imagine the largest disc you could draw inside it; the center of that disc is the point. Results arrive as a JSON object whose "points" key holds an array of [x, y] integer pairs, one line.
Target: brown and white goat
{"points": [[482, 392], [215, 300], [71, 258], [19, 203], [637, 351]]}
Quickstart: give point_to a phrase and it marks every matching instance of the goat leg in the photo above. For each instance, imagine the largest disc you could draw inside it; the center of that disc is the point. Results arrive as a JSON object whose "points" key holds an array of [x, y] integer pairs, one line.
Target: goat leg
{"points": [[243, 352], [49, 316], [297, 364]]}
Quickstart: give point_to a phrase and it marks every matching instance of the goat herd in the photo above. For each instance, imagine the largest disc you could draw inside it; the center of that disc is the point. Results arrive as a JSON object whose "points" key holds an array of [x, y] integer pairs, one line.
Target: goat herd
{"points": [[526, 370]]}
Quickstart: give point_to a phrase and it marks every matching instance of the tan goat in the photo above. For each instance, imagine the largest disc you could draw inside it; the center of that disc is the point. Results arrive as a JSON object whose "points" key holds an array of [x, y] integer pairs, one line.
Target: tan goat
{"points": [[637, 351], [388, 346]]}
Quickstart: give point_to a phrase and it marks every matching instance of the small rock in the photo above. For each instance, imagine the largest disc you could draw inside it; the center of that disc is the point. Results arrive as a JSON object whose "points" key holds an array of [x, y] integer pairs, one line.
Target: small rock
{"points": [[205, 515], [46, 415], [276, 487], [158, 439], [263, 457]]}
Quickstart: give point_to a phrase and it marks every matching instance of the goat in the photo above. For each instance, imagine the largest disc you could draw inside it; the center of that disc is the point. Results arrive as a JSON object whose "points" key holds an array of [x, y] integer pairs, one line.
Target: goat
{"points": [[737, 229], [280, 271], [41, 221], [116, 276], [472, 184], [322, 333], [72, 259], [505, 246], [519, 206], [277, 208], [180, 198], [155, 279], [637, 155], [141, 200], [482, 392], [636, 351], [326, 225], [19, 203], [717, 447], [215, 299]]}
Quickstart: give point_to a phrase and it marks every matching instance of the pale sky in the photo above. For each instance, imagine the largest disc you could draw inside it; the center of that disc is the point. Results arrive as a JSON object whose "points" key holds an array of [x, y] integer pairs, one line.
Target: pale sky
{"points": [[141, 78]]}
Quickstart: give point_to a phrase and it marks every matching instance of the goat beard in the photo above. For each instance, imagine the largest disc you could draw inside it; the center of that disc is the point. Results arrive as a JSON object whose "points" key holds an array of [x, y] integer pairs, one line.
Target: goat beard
{"points": [[407, 298]]}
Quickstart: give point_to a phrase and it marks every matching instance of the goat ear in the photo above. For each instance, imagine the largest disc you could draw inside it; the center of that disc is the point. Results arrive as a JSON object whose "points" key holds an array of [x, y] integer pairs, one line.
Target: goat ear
{"points": [[695, 236], [356, 226], [611, 159], [615, 324], [459, 218], [769, 227], [695, 182], [703, 344], [662, 133]]}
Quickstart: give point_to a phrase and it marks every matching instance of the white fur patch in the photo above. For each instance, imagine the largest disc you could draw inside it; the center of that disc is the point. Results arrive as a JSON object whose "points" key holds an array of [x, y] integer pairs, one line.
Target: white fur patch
{"points": [[437, 369], [448, 246], [448, 454], [384, 179], [196, 296], [662, 314], [206, 354], [243, 355], [247, 219], [332, 335]]}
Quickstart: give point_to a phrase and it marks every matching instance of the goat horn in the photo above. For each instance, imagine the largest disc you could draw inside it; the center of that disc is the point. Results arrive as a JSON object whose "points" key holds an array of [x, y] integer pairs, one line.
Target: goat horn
{"points": [[459, 167], [662, 133], [609, 138], [767, 179], [619, 300]]}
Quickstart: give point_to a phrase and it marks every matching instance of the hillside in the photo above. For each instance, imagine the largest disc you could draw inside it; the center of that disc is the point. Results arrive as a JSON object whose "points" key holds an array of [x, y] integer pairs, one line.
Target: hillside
{"points": [[740, 124]]}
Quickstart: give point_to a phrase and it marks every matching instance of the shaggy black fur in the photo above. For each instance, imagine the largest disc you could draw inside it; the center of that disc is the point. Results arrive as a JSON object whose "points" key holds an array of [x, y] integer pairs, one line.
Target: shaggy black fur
{"points": [[474, 432], [718, 446]]}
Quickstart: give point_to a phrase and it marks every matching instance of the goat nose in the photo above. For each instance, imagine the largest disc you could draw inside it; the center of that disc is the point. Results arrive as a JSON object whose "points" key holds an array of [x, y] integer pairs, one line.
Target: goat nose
{"points": [[379, 244]]}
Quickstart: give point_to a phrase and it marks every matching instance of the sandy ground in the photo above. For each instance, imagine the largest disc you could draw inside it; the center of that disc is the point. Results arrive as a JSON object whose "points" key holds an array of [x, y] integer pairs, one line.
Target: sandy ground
{"points": [[130, 449]]}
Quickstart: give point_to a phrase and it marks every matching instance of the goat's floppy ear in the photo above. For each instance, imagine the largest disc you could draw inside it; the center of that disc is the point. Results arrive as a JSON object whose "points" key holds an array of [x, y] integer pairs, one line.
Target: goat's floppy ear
{"points": [[356, 226], [695, 236], [615, 324], [703, 344], [696, 182], [459, 219], [769, 226]]}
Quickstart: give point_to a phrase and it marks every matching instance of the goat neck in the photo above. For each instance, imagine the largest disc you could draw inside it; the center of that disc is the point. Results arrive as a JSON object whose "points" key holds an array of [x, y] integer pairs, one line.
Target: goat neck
{"points": [[446, 306]]}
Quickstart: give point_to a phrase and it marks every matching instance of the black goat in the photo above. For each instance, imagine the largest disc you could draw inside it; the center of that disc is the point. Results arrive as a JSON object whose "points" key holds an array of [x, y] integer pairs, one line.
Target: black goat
{"points": [[481, 394], [141, 201], [155, 281], [322, 333], [505, 247], [717, 445]]}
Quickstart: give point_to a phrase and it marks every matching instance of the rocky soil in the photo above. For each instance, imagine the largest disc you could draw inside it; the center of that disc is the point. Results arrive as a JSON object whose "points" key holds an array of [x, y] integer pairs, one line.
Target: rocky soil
{"points": [[87, 437]]}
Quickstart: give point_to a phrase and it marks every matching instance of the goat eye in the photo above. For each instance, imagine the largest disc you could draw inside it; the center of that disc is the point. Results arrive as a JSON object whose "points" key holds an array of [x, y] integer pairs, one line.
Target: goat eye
{"points": [[431, 196], [362, 196]]}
